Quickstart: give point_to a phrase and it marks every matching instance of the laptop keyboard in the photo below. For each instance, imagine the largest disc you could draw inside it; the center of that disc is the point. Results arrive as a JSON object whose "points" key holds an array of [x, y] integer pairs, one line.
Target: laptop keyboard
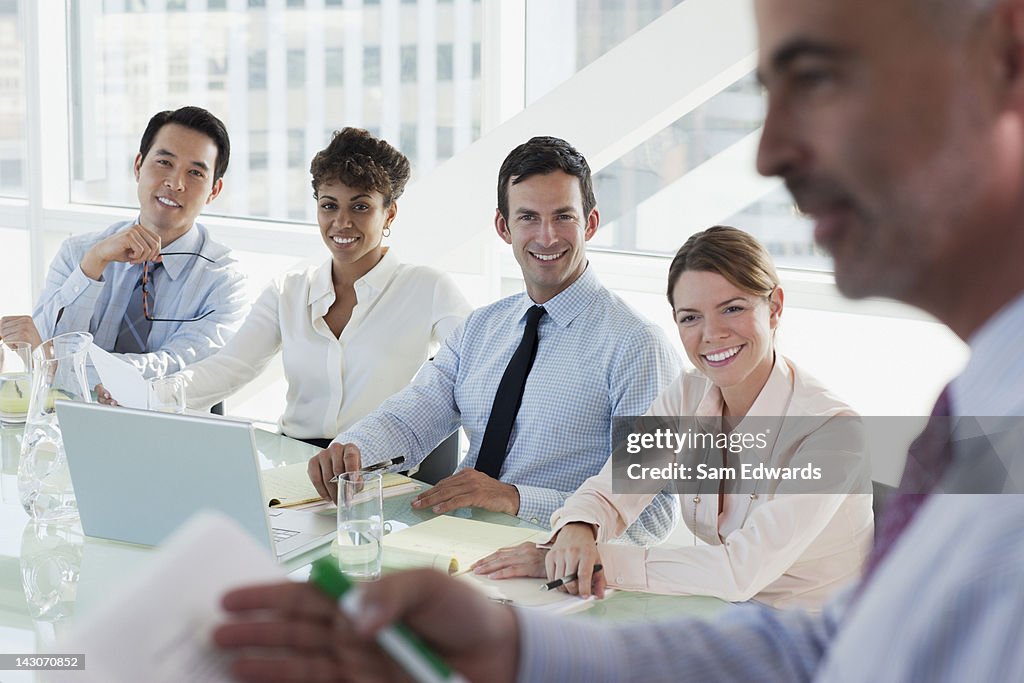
{"points": [[283, 534]]}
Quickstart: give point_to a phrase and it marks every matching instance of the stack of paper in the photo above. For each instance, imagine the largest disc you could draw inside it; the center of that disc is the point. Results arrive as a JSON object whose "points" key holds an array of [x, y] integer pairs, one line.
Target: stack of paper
{"points": [[450, 544], [527, 593]]}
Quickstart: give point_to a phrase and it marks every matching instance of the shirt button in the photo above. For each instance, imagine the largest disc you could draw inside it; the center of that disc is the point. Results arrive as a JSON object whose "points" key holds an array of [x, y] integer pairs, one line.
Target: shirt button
{"points": [[533, 520], [77, 289], [619, 580]]}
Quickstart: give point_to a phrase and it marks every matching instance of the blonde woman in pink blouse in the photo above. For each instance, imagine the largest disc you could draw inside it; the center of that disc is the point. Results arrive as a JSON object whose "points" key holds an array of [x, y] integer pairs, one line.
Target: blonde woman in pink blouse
{"points": [[778, 547]]}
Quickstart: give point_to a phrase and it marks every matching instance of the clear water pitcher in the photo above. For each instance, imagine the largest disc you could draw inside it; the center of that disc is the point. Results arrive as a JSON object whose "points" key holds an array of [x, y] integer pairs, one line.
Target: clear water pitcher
{"points": [[51, 559], [58, 373]]}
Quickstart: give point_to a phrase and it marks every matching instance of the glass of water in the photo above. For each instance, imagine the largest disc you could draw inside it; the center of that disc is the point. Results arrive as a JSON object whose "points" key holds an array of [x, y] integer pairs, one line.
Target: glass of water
{"points": [[167, 394], [360, 526], [15, 381]]}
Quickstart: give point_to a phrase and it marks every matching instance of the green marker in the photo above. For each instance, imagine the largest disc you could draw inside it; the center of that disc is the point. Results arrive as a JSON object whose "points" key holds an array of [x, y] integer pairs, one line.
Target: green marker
{"points": [[397, 640]]}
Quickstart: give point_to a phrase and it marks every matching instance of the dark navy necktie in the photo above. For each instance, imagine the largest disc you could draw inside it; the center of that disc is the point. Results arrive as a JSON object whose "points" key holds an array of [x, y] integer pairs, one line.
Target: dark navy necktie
{"points": [[509, 396]]}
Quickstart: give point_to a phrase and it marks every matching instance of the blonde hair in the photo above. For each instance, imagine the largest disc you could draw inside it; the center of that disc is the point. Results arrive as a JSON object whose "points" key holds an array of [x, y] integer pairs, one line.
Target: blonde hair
{"points": [[733, 254]]}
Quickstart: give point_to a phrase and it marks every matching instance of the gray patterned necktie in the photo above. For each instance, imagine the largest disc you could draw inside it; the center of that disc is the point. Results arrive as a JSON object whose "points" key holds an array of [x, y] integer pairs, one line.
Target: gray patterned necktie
{"points": [[134, 334]]}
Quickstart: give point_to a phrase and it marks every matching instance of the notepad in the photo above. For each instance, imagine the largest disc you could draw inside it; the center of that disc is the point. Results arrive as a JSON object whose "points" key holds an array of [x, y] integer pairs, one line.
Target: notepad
{"points": [[289, 486], [451, 544], [526, 593]]}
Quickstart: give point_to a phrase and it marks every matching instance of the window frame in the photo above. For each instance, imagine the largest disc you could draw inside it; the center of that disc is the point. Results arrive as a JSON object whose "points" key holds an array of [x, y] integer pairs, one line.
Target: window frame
{"points": [[49, 209]]}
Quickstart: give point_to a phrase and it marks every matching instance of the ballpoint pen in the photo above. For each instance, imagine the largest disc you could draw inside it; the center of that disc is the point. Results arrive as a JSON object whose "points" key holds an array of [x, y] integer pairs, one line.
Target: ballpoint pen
{"points": [[378, 466], [385, 464], [552, 585]]}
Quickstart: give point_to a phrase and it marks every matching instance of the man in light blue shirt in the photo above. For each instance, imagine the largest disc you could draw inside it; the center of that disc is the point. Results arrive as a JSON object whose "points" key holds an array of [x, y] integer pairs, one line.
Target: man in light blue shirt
{"points": [[193, 298], [898, 125], [595, 359]]}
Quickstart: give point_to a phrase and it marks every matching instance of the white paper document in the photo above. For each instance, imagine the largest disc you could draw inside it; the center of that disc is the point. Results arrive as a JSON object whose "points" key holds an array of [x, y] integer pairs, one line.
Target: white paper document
{"points": [[126, 384], [526, 593], [450, 544], [158, 628]]}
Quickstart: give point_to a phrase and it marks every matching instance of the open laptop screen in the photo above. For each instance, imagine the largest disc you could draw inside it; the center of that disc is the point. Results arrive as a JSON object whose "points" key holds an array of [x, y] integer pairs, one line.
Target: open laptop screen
{"points": [[138, 474]]}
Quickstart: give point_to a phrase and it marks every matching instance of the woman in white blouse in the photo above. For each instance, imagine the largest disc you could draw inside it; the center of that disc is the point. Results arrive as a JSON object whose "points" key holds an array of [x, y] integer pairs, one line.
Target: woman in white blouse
{"points": [[772, 544], [353, 330]]}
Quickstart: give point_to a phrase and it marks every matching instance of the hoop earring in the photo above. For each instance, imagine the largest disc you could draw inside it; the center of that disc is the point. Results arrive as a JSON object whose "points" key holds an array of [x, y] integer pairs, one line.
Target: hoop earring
{"points": [[386, 231]]}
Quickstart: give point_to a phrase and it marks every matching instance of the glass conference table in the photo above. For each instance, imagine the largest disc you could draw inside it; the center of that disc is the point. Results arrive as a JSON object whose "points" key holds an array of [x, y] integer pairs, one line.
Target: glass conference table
{"points": [[51, 573]]}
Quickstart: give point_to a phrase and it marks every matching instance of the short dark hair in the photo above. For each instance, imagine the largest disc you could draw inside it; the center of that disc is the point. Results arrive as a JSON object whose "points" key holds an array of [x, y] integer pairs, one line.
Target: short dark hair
{"points": [[359, 160], [197, 119], [540, 156]]}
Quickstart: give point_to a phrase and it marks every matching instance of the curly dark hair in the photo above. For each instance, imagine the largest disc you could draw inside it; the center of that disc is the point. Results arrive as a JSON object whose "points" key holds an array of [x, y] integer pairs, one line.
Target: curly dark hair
{"points": [[359, 160]]}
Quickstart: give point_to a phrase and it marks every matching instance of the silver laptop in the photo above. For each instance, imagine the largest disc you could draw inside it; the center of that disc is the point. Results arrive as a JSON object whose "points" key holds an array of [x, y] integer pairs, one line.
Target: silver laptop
{"points": [[138, 475]]}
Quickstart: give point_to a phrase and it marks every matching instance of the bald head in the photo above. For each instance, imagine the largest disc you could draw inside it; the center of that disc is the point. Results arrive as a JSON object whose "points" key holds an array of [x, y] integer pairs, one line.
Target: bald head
{"points": [[953, 17]]}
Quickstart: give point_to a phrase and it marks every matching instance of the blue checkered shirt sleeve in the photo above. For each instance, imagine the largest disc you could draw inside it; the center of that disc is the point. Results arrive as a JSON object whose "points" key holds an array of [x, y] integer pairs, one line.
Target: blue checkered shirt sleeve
{"points": [[595, 359], [644, 365], [416, 419]]}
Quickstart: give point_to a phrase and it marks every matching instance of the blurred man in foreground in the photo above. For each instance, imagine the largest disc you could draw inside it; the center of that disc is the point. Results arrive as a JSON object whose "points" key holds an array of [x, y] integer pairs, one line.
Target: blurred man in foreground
{"points": [[898, 125]]}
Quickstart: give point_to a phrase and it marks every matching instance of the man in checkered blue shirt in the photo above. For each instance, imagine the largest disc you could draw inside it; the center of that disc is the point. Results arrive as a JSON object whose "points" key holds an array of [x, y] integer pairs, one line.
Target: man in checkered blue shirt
{"points": [[596, 359]]}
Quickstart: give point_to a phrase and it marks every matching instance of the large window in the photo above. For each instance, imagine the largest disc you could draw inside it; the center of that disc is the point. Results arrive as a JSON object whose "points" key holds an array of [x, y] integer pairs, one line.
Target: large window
{"points": [[699, 171], [284, 74], [563, 36], [696, 172], [12, 102], [281, 75]]}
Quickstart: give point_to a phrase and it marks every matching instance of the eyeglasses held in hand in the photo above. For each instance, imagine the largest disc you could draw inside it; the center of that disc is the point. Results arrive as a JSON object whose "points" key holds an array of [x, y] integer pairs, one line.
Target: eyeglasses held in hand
{"points": [[145, 290]]}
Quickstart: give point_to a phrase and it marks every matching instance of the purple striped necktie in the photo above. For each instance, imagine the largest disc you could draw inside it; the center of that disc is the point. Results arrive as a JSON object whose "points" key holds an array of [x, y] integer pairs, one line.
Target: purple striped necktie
{"points": [[927, 460]]}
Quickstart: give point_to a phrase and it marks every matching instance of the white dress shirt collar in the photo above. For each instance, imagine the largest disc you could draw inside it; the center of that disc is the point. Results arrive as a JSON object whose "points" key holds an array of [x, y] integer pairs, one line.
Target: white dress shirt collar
{"points": [[191, 241], [563, 308], [368, 287], [379, 276]]}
